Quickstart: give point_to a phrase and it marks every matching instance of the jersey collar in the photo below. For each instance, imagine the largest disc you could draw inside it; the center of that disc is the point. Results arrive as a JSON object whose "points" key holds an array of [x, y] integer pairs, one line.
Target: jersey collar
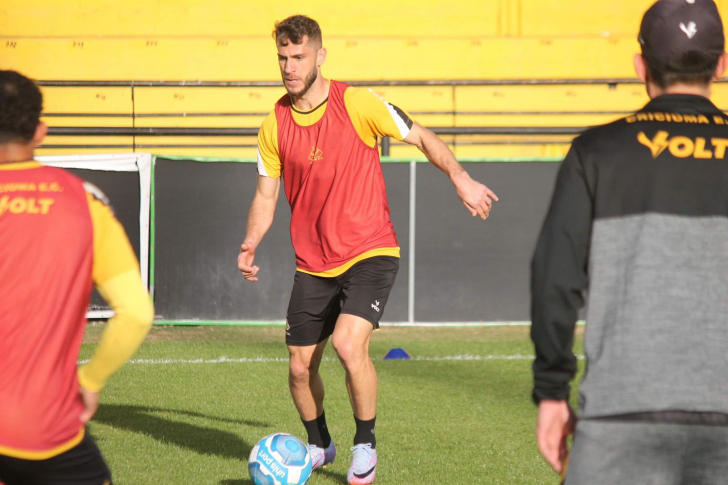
{"points": [[20, 165]]}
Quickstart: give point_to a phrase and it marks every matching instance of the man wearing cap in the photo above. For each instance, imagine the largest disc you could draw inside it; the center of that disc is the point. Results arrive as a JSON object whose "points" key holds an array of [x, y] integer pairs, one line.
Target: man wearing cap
{"points": [[639, 216]]}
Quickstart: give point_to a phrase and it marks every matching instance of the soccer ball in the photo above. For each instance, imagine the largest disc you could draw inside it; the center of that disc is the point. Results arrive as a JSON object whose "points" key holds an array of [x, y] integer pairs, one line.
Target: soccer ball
{"points": [[279, 459]]}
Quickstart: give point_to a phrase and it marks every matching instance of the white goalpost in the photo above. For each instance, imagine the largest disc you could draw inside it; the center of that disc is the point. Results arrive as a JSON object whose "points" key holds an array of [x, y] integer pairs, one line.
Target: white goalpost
{"points": [[131, 162]]}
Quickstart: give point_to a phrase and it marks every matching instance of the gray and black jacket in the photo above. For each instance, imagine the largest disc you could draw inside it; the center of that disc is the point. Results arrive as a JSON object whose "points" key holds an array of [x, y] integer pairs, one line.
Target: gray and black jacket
{"points": [[639, 217]]}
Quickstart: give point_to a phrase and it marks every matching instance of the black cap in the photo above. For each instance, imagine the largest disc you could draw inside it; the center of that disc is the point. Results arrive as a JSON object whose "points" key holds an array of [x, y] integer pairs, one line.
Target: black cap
{"points": [[672, 28]]}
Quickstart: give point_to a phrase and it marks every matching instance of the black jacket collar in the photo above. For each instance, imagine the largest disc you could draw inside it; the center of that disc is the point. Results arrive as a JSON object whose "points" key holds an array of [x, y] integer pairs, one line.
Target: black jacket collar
{"points": [[682, 103]]}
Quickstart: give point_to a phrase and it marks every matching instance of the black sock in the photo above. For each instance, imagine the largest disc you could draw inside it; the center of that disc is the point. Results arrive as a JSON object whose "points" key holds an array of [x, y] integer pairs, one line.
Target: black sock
{"points": [[365, 432], [323, 429], [318, 432]]}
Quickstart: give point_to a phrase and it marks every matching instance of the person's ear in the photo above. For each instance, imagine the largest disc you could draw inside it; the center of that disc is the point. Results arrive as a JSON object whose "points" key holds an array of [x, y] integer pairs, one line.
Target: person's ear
{"points": [[40, 133], [640, 67], [720, 68]]}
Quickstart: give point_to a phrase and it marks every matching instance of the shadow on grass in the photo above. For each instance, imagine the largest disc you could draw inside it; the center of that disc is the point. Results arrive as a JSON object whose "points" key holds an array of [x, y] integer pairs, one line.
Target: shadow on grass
{"points": [[339, 477], [206, 441]]}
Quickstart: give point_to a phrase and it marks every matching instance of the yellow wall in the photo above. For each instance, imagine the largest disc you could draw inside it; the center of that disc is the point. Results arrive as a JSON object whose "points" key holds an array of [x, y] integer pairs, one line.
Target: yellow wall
{"points": [[220, 40], [460, 106], [377, 39]]}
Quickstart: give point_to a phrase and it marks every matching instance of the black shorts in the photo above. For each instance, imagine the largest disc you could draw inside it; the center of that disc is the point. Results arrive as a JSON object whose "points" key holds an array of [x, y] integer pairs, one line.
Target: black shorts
{"points": [[316, 302], [81, 465]]}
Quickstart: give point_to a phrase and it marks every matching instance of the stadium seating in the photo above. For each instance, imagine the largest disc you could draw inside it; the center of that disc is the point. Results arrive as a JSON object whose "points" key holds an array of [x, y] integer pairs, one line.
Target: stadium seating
{"points": [[435, 41]]}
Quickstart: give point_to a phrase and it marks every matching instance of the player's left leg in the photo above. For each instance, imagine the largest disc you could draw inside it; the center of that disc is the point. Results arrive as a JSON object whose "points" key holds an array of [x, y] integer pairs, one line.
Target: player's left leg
{"points": [[351, 342], [365, 291]]}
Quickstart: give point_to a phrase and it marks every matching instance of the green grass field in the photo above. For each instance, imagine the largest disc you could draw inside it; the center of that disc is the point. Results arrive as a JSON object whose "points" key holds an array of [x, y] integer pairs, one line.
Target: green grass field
{"points": [[196, 399]]}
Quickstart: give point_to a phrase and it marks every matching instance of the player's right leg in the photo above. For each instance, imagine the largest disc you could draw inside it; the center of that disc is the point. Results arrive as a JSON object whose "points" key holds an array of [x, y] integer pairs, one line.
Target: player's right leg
{"points": [[304, 380], [307, 390], [312, 314], [81, 465]]}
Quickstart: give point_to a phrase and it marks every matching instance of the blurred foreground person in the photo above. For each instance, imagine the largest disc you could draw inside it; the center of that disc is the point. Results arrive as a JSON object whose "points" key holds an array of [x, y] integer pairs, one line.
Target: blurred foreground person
{"points": [[639, 217], [58, 237]]}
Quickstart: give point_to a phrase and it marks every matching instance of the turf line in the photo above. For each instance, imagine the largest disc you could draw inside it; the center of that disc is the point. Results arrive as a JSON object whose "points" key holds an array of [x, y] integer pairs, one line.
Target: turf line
{"points": [[262, 360]]}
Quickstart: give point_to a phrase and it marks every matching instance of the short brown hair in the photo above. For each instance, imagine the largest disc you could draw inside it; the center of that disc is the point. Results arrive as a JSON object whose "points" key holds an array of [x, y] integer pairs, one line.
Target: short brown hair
{"points": [[295, 28], [692, 68]]}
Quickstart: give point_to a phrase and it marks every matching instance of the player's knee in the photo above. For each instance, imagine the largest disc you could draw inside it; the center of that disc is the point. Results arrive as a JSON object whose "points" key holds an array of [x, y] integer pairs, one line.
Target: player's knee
{"points": [[349, 352], [298, 375], [342, 347], [301, 371]]}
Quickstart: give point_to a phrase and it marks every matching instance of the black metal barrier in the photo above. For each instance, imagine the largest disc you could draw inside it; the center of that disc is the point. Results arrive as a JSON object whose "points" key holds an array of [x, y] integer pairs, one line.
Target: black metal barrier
{"points": [[454, 268], [122, 188]]}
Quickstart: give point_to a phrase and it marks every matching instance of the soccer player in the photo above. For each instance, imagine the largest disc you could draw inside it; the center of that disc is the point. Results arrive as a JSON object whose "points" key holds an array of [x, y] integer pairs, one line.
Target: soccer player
{"points": [[58, 236], [322, 139], [639, 216]]}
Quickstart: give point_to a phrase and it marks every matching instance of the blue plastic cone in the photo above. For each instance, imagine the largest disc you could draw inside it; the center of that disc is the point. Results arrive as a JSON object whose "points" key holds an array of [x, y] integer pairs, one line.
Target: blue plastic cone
{"points": [[397, 354]]}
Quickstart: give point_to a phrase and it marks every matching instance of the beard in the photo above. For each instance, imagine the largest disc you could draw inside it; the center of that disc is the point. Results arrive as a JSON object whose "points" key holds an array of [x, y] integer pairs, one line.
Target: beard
{"points": [[307, 83]]}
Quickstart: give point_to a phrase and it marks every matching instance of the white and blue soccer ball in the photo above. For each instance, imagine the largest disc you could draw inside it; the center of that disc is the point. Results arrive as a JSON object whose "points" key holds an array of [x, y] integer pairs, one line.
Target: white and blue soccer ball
{"points": [[279, 459]]}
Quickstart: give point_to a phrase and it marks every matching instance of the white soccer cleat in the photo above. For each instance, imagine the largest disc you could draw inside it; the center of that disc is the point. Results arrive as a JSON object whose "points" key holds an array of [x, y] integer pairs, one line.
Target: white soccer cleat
{"points": [[322, 457], [363, 465]]}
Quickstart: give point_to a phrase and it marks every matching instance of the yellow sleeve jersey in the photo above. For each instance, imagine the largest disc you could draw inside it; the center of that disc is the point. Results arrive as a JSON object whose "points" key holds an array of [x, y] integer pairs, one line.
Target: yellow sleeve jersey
{"points": [[372, 117], [333, 181]]}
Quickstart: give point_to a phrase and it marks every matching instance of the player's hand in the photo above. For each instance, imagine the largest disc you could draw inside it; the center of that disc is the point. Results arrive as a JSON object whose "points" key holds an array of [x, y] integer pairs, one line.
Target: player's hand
{"points": [[476, 197], [90, 402], [245, 261], [556, 422]]}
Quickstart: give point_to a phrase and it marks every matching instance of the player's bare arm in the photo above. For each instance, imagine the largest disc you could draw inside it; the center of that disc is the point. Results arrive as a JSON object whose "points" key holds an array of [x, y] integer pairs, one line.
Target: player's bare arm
{"points": [[260, 219], [476, 197]]}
